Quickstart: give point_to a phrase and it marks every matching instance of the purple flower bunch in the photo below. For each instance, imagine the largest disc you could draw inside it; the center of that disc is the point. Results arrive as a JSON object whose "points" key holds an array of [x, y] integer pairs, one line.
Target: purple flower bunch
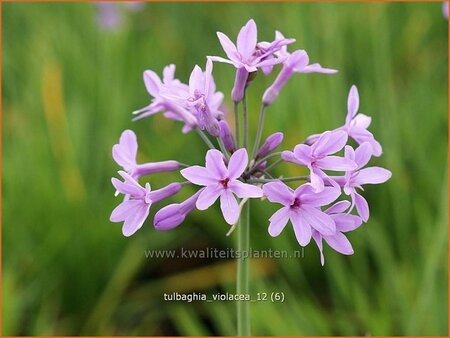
{"points": [[325, 206]]}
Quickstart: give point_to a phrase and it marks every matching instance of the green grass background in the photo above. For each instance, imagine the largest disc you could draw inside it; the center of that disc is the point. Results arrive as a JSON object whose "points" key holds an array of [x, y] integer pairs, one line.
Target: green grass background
{"points": [[68, 90]]}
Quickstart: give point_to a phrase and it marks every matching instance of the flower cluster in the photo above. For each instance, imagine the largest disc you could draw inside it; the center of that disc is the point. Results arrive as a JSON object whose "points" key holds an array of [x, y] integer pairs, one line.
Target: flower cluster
{"points": [[325, 207]]}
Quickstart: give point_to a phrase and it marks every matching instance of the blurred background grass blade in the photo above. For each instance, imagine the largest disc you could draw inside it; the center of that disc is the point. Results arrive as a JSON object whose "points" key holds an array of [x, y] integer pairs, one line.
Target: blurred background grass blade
{"points": [[69, 87]]}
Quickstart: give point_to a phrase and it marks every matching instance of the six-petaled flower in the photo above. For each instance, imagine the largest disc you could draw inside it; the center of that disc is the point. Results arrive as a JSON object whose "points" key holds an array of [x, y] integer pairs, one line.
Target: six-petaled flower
{"points": [[222, 181]]}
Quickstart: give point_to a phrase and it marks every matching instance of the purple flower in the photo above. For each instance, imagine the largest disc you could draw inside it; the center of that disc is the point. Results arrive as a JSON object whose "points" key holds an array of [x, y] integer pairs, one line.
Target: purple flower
{"points": [[297, 62], [302, 208], [445, 9], [273, 49], [204, 99], [222, 181], [271, 143], [345, 222], [316, 157], [246, 57], [358, 177], [173, 215], [356, 124], [124, 153], [135, 207], [170, 87]]}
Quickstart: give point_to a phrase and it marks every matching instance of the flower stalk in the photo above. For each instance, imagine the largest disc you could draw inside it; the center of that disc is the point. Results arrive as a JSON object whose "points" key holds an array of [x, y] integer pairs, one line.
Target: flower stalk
{"points": [[259, 130], [243, 265]]}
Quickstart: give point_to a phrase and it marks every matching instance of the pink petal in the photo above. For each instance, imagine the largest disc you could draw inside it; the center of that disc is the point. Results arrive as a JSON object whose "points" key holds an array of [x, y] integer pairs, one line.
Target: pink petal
{"points": [[361, 135], [268, 62], [208, 196], [372, 175], [128, 178], [349, 153], [215, 165], [244, 190], [302, 229], [338, 207], [247, 39], [278, 221], [228, 46], [221, 59], [329, 142], [237, 164], [290, 157], [310, 140], [124, 153], [362, 207], [169, 73], [362, 121], [339, 180], [229, 207], [303, 153], [363, 154], [316, 181], [346, 222], [278, 192], [336, 163], [318, 220], [318, 239], [209, 84], [267, 69], [196, 80], [128, 141], [298, 60], [152, 82], [135, 221], [326, 196], [124, 209], [198, 175], [303, 190], [317, 68], [340, 243], [122, 158], [352, 104], [127, 188]]}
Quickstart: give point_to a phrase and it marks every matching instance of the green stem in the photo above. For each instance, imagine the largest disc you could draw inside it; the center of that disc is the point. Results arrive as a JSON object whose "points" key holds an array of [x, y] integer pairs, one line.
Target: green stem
{"points": [[205, 138], [255, 165], [274, 164], [222, 148], [262, 116], [236, 123], [246, 131], [242, 285]]}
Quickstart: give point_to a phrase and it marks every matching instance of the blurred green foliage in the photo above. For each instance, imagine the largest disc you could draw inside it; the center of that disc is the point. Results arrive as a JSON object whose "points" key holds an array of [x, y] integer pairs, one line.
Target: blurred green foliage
{"points": [[68, 90]]}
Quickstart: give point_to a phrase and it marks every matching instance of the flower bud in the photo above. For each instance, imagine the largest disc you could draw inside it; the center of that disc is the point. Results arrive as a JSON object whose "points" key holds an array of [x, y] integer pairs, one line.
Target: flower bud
{"points": [[262, 165], [226, 136], [155, 167], [208, 121], [173, 215], [271, 143], [240, 82]]}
